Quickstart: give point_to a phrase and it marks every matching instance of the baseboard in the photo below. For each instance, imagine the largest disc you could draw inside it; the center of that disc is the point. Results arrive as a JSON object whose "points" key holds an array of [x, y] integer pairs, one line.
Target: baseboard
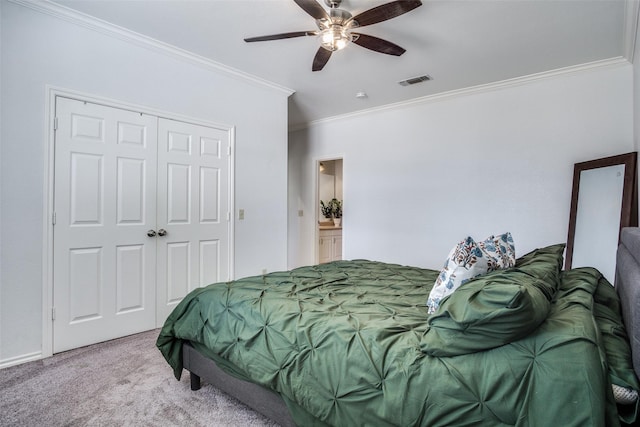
{"points": [[18, 360]]}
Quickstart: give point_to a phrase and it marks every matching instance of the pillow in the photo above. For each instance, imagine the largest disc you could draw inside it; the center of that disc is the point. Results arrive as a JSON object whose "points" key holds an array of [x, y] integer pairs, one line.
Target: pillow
{"points": [[501, 251], [497, 308], [468, 260], [465, 261]]}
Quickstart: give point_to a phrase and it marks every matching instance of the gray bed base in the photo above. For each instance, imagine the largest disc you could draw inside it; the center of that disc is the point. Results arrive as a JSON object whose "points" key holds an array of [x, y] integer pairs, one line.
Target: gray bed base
{"points": [[627, 284], [270, 404], [258, 398]]}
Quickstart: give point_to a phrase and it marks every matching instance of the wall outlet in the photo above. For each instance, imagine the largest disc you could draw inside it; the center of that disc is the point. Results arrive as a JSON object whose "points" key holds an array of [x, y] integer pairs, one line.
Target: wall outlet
{"points": [[241, 214], [300, 212]]}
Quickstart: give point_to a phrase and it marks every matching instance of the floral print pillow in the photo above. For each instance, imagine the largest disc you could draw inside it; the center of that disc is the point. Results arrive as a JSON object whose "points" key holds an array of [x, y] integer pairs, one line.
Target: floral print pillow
{"points": [[501, 251], [468, 260], [465, 261]]}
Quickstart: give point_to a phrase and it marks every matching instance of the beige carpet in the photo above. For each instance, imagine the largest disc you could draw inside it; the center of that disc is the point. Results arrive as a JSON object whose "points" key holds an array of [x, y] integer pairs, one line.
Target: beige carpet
{"points": [[124, 382]]}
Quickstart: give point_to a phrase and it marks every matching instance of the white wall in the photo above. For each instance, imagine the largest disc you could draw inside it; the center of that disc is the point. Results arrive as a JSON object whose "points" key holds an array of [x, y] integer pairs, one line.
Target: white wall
{"points": [[420, 177], [40, 50]]}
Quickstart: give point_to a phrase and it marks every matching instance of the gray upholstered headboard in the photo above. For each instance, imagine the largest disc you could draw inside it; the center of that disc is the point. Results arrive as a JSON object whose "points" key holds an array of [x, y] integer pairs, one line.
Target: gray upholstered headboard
{"points": [[627, 284]]}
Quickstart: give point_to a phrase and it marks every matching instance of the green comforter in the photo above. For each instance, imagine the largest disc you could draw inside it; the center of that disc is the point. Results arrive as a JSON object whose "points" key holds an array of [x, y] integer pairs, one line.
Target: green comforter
{"points": [[348, 343]]}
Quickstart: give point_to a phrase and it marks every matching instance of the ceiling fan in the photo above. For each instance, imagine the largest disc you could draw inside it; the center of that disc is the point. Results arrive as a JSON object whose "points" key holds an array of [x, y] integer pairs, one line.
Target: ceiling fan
{"points": [[335, 28]]}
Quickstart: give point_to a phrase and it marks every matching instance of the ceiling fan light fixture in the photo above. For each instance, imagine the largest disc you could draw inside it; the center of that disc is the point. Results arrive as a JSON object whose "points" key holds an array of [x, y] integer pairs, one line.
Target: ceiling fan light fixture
{"points": [[335, 25], [335, 37]]}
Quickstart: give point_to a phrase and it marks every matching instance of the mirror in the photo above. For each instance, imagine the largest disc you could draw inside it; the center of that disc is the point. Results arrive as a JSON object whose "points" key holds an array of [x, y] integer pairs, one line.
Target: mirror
{"points": [[604, 199]]}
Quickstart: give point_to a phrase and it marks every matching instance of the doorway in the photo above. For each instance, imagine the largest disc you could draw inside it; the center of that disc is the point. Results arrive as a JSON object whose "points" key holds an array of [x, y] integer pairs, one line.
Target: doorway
{"points": [[330, 205]]}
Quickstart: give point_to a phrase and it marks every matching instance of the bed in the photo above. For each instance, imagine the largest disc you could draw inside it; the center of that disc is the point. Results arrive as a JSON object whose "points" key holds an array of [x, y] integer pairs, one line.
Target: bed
{"points": [[350, 343]]}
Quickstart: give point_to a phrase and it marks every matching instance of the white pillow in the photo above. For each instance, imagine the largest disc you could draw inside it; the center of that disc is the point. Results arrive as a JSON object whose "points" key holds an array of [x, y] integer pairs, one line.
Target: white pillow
{"points": [[465, 261]]}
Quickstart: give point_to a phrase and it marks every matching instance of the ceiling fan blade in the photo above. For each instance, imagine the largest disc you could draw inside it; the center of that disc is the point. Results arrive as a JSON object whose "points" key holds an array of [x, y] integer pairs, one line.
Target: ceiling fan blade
{"points": [[313, 8], [321, 59], [385, 11], [378, 45], [280, 36]]}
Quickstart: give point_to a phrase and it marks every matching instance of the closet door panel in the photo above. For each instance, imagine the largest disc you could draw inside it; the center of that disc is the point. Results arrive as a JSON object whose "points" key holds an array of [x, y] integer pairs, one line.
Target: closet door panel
{"points": [[105, 202], [193, 209]]}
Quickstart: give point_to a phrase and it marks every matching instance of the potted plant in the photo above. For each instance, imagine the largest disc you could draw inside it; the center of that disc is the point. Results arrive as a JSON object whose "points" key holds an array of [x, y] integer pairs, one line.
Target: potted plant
{"points": [[332, 210], [336, 210], [326, 209]]}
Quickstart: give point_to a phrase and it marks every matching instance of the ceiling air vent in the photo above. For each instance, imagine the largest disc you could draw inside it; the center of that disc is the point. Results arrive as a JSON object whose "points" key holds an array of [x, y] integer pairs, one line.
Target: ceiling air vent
{"points": [[414, 80]]}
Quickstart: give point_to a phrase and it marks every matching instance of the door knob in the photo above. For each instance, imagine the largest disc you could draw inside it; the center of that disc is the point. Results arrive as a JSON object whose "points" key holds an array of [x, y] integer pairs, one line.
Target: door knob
{"points": [[162, 232], [151, 233]]}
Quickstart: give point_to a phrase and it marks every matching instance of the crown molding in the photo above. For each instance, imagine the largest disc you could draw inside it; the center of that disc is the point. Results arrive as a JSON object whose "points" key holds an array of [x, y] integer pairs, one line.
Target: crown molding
{"points": [[67, 14], [631, 15], [517, 81]]}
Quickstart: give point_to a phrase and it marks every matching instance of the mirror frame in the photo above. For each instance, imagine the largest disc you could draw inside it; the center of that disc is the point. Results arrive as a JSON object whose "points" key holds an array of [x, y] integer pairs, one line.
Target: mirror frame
{"points": [[629, 208]]}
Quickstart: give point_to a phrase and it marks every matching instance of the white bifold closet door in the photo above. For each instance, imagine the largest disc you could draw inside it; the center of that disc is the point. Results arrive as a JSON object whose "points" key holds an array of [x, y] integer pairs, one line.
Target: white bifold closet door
{"points": [[193, 208], [141, 218]]}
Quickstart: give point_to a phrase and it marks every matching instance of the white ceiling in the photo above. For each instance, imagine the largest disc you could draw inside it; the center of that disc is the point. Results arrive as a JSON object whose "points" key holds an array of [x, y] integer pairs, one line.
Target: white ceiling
{"points": [[459, 43]]}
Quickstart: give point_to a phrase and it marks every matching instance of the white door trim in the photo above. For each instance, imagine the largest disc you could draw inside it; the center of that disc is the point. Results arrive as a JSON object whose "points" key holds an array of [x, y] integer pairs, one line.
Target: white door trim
{"points": [[51, 92]]}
